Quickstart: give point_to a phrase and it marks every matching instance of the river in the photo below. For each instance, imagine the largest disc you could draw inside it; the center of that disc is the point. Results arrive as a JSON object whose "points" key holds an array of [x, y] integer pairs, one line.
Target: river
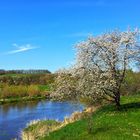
{"points": [[15, 116]]}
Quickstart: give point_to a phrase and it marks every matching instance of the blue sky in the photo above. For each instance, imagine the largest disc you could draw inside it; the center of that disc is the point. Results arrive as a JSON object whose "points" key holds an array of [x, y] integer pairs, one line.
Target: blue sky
{"points": [[41, 34]]}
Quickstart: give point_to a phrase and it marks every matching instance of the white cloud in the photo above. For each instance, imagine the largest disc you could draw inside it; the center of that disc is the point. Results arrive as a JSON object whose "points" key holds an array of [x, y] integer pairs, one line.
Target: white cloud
{"points": [[21, 48]]}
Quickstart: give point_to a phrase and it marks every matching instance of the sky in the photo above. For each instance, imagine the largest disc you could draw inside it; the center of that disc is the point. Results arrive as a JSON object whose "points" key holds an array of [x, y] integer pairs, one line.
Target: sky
{"points": [[41, 34]]}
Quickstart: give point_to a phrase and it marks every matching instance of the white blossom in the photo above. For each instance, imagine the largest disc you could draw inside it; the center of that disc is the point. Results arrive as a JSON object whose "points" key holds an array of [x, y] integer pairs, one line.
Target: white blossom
{"points": [[100, 66]]}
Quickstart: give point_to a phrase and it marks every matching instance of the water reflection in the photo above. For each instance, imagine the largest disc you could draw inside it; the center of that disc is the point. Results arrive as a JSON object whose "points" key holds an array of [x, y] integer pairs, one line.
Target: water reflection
{"points": [[4, 109], [15, 116]]}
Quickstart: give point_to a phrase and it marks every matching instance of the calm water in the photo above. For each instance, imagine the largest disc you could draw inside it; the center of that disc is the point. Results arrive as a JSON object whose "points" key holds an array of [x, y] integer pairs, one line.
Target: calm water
{"points": [[14, 117]]}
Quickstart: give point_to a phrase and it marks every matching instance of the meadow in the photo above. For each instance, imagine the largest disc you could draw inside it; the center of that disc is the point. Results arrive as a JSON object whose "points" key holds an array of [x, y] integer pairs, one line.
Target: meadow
{"points": [[105, 123], [21, 87]]}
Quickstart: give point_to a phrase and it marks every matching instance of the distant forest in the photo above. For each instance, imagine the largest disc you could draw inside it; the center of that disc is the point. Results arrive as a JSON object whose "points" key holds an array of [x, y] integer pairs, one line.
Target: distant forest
{"points": [[31, 71]]}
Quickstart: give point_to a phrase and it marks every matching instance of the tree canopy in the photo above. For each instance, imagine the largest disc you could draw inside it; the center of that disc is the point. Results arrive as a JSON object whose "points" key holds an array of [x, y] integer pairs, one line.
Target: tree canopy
{"points": [[100, 66]]}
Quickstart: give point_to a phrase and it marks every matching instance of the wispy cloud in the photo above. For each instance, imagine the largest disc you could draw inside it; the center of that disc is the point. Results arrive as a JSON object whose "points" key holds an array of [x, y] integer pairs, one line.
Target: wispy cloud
{"points": [[21, 48]]}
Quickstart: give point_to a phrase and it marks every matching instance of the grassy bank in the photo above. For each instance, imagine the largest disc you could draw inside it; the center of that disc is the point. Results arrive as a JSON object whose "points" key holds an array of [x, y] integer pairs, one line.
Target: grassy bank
{"points": [[105, 124], [37, 129], [21, 99], [12, 93], [20, 85]]}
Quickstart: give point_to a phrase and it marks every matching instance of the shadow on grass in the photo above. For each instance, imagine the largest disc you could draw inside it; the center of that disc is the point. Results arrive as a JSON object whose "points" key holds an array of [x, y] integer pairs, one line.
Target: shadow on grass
{"points": [[101, 130], [128, 106], [123, 107]]}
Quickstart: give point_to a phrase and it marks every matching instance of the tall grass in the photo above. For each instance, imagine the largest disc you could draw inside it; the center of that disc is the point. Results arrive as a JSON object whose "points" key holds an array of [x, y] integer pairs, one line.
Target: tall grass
{"points": [[33, 90], [8, 91], [13, 91]]}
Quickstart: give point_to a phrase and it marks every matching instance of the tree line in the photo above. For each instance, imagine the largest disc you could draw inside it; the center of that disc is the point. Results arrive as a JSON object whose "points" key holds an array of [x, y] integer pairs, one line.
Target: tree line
{"points": [[27, 79], [31, 71]]}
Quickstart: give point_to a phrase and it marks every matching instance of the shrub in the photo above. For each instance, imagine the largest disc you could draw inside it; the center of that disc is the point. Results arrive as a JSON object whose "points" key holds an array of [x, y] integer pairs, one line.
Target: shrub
{"points": [[13, 91], [33, 90], [132, 83]]}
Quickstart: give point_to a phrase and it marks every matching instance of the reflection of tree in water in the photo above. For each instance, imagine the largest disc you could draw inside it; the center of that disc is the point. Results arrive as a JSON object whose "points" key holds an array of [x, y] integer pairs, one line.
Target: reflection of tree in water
{"points": [[32, 105], [4, 109]]}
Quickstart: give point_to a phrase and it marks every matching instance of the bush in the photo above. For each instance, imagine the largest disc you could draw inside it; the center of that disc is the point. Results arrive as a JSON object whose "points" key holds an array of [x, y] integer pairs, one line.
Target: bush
{"points": [[27, 79], [13, 91], [131, 84], [33, 90], [7, 91]]}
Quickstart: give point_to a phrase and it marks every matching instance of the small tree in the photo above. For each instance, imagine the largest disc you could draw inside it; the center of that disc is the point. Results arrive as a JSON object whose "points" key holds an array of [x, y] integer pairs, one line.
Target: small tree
{"points": [[101, 64]]}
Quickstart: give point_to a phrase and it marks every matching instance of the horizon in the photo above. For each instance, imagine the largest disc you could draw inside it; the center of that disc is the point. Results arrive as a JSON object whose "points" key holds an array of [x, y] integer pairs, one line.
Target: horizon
{"points": [[42, 34]]}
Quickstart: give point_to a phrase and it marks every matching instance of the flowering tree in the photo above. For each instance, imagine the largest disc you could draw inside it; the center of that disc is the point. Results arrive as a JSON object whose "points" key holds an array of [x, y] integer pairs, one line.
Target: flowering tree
{"points": [[101, 64], [65, 85]]}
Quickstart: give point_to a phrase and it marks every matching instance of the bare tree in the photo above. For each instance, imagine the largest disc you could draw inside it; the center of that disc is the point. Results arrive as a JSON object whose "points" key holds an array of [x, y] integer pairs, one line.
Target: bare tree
{"points": [[101, 64]]}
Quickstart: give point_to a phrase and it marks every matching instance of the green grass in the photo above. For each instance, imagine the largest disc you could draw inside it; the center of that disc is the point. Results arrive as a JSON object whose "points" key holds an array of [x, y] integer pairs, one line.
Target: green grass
{"points": [[20, 99], [107, 124], [44, 87]]}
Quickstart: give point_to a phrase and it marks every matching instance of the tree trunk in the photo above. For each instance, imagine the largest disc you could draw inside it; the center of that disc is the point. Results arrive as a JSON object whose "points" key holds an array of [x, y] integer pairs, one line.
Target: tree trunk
{"points": [[117, 100]]}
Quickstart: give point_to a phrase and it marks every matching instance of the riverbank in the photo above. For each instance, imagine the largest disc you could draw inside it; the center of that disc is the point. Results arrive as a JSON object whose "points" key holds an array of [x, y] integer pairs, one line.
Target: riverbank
{"points": [[15, 116], [20, 85], [21, 99], [39, 128], [20, 93], [104, 124]]}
